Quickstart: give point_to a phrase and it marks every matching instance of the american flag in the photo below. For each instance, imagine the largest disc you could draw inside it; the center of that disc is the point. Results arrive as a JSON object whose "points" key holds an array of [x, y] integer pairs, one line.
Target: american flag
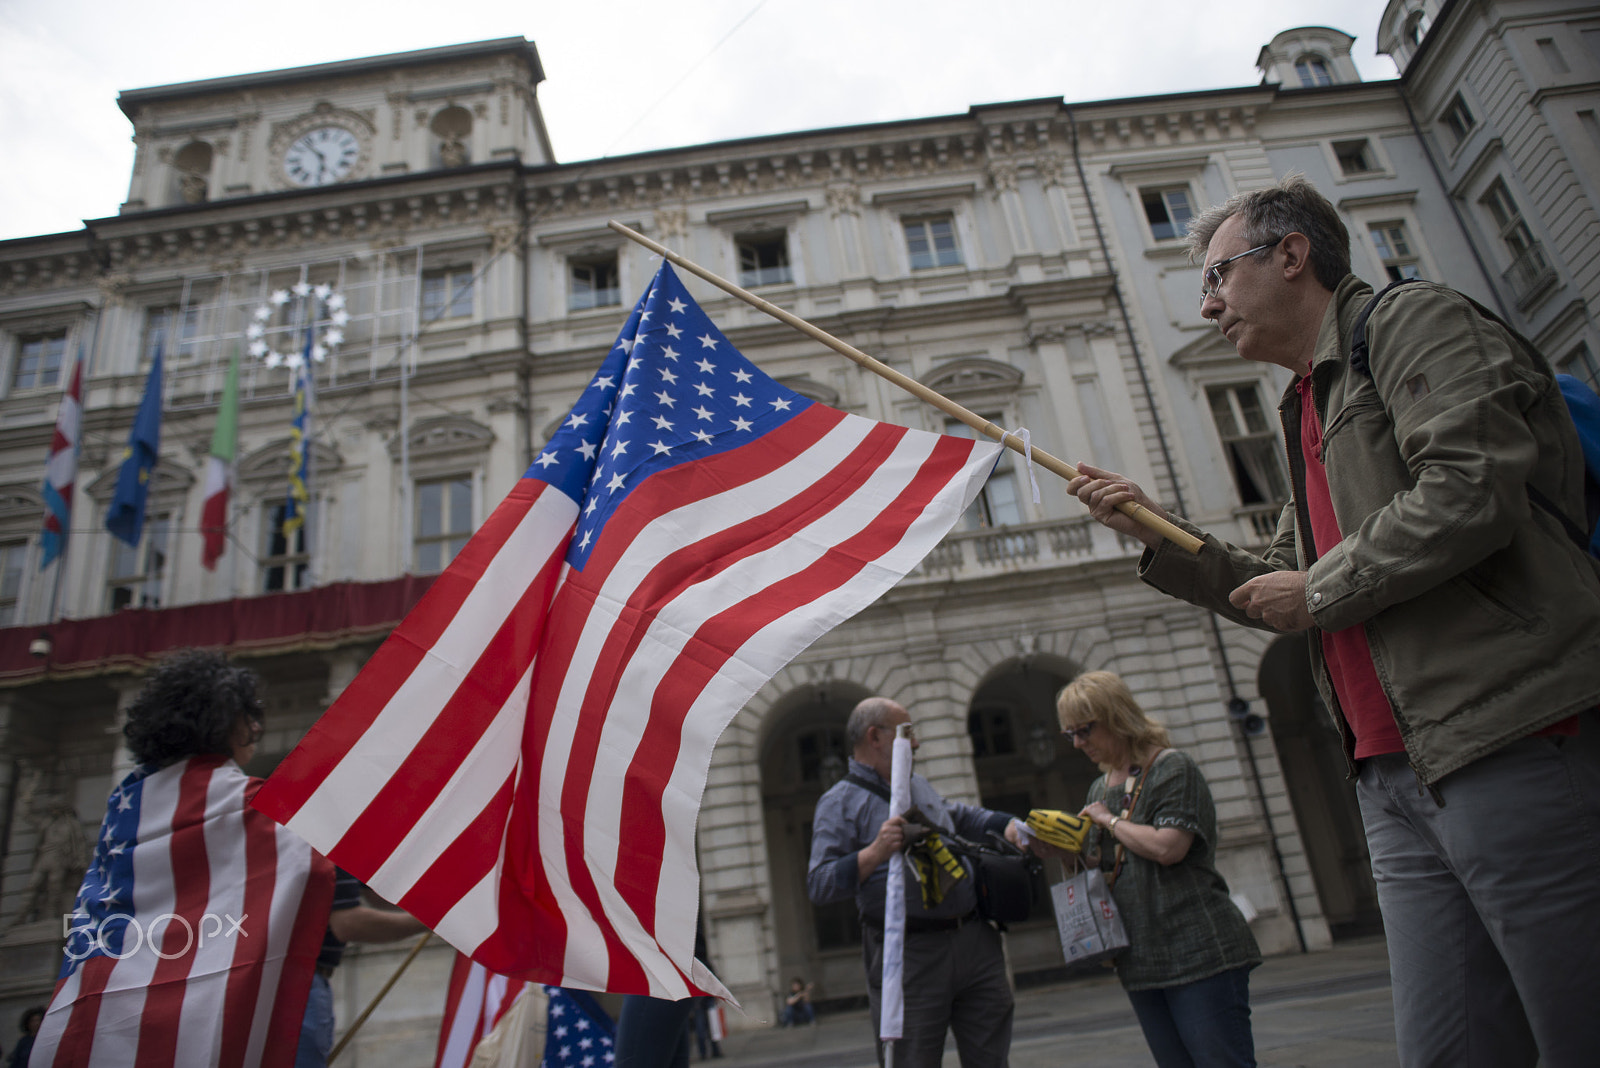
{"points": [[475, 1001], [61, 468], [195, 933], [520, 765], [579, 1034]]}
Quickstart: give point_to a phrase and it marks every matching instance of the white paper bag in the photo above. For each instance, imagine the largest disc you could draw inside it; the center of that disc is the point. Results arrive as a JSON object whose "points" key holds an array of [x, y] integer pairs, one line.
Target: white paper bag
{"points": [[1087, 918]]}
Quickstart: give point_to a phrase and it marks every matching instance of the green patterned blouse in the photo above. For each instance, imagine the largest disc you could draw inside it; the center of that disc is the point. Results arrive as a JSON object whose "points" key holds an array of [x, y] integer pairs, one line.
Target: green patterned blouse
{"points": [[1181, 924]]}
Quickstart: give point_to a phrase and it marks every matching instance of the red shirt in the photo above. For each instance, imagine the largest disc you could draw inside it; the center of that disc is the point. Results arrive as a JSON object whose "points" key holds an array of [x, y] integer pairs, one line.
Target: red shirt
{"points": [[1349, 657]]}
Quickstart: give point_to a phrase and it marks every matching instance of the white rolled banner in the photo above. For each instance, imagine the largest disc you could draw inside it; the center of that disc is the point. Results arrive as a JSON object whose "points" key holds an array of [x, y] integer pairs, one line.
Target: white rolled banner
{"points": [[891, 1017]]}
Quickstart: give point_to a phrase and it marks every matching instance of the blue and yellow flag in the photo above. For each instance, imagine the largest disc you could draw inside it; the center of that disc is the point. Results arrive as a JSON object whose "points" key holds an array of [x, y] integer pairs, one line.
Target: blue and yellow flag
{"points": [[125, 515], [294, 510]]}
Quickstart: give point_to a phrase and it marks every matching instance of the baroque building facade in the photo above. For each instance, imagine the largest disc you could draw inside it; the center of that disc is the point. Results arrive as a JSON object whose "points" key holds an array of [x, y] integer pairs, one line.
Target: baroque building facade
{"points": [[1024, 258]]}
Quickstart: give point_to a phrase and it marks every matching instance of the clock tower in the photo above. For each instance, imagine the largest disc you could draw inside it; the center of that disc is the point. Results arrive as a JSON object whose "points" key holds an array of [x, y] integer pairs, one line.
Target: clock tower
{"points": [[334, 123]]}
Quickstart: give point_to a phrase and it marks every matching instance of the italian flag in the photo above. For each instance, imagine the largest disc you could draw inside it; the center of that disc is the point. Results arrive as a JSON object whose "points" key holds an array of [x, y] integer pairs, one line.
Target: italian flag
{"points": [[219, 471]]}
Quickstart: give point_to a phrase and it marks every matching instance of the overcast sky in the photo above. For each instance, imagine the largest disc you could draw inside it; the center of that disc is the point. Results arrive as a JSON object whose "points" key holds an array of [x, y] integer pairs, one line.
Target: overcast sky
{"points": [[621, 75]]}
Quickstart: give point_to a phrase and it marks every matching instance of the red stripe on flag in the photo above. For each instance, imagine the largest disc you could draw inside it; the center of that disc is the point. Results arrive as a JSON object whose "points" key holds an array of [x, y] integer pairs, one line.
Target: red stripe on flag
{"points": [[250, 944], [191, 882], [337, 730], [310, 926], [77, 1040], [398, 804], [463, 863]]}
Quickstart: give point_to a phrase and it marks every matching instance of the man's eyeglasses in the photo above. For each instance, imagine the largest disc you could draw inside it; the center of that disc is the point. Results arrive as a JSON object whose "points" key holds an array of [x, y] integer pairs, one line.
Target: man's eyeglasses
{"points": [[1078, 734], [1211, 280]]}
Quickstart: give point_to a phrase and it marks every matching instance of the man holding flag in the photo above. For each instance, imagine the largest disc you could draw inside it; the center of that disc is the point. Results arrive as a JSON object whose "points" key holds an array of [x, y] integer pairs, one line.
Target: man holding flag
{"points": [[521, 764]]}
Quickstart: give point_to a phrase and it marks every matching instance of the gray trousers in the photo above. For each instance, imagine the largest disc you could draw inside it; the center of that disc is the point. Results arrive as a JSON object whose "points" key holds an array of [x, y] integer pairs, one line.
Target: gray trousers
{"points": [[1491, 904], [954, 980]]}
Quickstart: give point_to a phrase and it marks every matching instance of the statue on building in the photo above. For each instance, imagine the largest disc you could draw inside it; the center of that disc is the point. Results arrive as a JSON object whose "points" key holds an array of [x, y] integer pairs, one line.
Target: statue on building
{"points": [[60, 853], [193, 188], [452, 152]]}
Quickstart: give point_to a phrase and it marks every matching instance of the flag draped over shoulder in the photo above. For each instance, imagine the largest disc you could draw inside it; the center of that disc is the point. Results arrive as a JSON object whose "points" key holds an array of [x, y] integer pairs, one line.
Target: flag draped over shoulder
{"points": [[61, 468], [476, 1001], [219, 471], [521, 764], [125, 513], [195, 933]]}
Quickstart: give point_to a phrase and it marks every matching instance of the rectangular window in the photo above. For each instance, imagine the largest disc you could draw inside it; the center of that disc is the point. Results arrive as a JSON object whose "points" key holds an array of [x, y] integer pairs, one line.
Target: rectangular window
{"points": [[138, 572], [447, 294], [1313, 71], [173, 330], [1250, 442], [39, 361], [284, 562], [931, 242], [1167, 211], [1457, 118], [443, 522], [593, 283], [1355, 157], [764, 259], [12, 555], [1580, 363], [1394, 249], [999, 503]]}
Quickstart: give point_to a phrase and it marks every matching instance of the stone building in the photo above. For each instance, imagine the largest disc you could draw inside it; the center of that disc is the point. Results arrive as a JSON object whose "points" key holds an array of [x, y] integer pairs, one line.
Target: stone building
{"points": [[1023, 258]]}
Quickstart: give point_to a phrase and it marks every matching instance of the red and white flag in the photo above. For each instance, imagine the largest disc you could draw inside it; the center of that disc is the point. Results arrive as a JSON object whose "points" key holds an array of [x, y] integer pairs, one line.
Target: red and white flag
{"points": [[476, 1001], [61, 469], [521, 764], [195, 933]]}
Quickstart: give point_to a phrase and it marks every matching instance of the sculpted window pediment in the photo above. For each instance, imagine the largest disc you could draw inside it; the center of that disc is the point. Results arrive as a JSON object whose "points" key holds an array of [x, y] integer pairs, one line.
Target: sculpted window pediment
{"points": [[168, 479], [973, 374], [811, 389], [1207, 350], [20, 502], [444, 435], [271, 461]]}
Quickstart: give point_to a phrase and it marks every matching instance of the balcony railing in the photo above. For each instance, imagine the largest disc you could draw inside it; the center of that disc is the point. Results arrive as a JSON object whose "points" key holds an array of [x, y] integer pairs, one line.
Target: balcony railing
{"points": [[970, 553], [1530, 275]]}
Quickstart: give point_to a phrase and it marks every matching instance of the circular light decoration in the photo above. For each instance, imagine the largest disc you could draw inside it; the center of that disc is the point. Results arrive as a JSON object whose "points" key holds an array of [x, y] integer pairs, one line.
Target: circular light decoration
{"points": [[328, 327]]}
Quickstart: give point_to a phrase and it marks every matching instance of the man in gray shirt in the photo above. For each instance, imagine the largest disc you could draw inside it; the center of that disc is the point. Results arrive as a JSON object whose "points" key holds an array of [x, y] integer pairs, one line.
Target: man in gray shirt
{"points": [[955, 973]]}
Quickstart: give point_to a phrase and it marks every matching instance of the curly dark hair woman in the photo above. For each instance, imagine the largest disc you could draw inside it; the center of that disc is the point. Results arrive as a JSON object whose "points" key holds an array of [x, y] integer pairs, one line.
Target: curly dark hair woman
{"points": [[194, 702]]}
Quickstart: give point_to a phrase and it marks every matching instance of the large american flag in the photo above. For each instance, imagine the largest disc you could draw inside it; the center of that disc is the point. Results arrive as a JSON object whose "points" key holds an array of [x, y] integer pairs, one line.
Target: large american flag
{"points": [[476, 1000], [521, 764], [578, 1033], [195, 933]]}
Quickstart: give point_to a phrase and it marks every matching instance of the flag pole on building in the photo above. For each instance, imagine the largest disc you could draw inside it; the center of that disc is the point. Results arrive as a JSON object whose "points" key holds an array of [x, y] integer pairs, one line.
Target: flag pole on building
{"points": [[1138, 514], [125, 514]]}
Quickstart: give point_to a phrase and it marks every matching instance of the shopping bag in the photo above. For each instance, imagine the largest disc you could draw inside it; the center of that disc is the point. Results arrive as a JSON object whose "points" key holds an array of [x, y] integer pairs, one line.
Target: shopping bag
{"points": [[1087, 918]]}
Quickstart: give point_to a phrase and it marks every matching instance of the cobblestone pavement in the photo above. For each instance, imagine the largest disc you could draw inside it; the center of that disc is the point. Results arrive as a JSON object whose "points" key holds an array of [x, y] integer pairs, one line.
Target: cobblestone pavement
{"points": [[1318, 1010]]}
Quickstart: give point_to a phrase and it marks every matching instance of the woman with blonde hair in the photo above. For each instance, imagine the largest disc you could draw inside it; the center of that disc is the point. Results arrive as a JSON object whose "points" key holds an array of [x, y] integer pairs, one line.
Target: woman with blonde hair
{"points": [[1187, 966]]}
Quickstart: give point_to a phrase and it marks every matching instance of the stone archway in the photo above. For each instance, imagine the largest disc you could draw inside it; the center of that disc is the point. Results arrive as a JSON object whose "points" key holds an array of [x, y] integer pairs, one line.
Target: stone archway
{"points": [[1323, 799], [802, 754]]}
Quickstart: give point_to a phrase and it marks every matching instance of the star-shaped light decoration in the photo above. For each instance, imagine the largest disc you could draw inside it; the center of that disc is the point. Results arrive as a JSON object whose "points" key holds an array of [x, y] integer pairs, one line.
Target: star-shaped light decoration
{"points": [[328, 316]]}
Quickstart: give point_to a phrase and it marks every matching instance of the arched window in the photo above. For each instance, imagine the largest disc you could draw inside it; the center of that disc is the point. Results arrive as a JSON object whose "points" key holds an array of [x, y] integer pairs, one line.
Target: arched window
{"points": [[1313, 70]]}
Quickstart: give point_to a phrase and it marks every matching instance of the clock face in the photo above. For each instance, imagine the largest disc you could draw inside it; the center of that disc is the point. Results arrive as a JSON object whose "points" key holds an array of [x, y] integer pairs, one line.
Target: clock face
{"points": [[321, 156]]}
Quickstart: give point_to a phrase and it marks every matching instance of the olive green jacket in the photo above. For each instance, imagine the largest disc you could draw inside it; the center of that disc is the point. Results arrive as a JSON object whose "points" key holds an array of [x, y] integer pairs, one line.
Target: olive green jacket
{"points": [[1482, 614]]}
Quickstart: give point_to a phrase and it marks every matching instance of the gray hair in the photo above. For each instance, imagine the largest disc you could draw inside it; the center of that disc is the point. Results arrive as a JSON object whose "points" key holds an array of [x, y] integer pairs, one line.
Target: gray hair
{"points": [[870, 712], [1291, 206]]}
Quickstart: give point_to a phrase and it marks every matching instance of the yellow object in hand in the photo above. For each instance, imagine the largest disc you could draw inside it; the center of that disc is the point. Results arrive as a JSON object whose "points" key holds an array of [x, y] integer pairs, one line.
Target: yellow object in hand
{"points": [[1064, 830]]}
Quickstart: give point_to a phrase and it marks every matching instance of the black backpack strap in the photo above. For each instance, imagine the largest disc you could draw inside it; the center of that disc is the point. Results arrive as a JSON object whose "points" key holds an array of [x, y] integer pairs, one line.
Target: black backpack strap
{"points": [[1359, 353], [868, 785]]}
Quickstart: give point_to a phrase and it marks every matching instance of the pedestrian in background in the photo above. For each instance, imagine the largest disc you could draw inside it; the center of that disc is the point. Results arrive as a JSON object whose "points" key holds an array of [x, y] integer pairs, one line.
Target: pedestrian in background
{"points": [[1187, 966]]}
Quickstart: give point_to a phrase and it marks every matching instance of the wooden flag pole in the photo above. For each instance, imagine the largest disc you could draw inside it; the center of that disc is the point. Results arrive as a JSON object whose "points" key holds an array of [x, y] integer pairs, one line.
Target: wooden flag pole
{"points": [[398, 972], [1137, 513]]}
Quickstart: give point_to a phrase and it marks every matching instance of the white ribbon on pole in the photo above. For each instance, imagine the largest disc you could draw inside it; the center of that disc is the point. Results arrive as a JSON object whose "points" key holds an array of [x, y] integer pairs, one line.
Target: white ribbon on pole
{"points": [[892, 1000]]}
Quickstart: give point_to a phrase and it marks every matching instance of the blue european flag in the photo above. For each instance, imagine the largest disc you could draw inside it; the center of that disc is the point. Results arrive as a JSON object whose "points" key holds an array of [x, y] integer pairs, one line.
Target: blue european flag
{"points": [[125, 516]]}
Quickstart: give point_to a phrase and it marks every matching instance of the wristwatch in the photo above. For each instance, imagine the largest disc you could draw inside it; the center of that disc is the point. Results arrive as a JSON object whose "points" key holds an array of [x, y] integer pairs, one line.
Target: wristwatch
{"points": [[1112, 826]]}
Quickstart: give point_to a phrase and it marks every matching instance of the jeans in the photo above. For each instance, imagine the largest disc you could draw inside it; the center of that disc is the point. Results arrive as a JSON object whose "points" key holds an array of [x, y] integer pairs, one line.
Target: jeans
{"points": [[799, 1014], [1199, 1024], [1491, 903], [653, 1033], [316, 1028]]}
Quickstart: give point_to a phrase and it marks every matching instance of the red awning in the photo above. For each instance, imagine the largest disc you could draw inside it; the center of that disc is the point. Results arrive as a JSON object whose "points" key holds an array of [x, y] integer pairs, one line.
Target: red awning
{"points": [[319, 618]]}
